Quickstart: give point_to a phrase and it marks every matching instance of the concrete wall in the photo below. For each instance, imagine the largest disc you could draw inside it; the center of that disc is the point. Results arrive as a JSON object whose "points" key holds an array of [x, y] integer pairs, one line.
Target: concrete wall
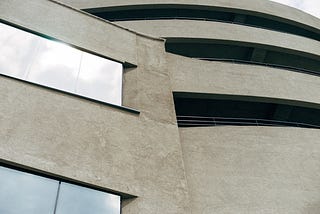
{"points": [[263, 7], [92, 142], [72, 27], [199, 76], [172, 171], [225, 31], [249, 170]]}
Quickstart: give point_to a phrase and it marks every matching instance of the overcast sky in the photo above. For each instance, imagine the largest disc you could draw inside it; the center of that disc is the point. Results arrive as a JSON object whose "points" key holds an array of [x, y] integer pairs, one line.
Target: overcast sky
{"points": [[309, 6]]}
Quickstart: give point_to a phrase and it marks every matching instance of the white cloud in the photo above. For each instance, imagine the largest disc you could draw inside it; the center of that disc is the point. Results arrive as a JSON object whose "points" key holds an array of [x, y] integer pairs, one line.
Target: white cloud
{"points": [[309, 6]]}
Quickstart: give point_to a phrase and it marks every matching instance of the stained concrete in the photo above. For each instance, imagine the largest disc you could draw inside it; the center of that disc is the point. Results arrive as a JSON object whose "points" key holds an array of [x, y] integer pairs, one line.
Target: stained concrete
{"points": [[211, 170], [263, 7], [72, 27], [199, 76], [256, 37], [92, 142], [252, 169]]}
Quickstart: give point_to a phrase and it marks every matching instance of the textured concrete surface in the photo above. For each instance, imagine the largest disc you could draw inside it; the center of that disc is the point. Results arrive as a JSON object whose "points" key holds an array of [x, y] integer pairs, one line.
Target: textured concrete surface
{"points": [[263, 7], [91, 142], [212, 170], [100, 145], [72, 27], [227, 32], [252, 169], [191, 75]]}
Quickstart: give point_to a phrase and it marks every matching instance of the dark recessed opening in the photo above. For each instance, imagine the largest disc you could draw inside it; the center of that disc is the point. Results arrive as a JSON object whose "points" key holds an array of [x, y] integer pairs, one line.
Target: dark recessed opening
{"points": [[193, 112], [240, 52], [158, 12]]}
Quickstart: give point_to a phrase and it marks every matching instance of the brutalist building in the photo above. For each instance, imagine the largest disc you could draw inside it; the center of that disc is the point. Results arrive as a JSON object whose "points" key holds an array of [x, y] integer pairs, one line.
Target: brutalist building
{"points": [[158, 106]]}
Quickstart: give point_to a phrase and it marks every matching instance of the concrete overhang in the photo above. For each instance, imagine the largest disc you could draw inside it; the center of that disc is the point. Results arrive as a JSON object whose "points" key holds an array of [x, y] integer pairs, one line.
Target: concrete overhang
{"points": [[262, 8], [205, 77], [230, 33]]}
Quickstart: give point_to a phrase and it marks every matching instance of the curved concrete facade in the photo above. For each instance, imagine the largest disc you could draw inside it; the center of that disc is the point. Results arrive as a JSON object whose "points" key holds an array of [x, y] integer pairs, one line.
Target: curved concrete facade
{"points": [[252, 169], [252, 6], [142, 155], [224, 31], [228, 78]]}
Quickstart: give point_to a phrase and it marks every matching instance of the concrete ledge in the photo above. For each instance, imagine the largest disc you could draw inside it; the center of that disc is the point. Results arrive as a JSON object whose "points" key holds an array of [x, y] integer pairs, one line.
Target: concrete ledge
{"points": [[261, 7], [198, 76], [224, 31]]}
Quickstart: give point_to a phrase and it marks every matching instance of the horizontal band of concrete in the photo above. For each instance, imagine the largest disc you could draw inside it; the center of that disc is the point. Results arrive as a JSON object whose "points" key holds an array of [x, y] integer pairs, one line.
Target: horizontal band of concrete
{"points": [[224, 31], [72, 27], [262, 7], [198, 76], [252, 169]]}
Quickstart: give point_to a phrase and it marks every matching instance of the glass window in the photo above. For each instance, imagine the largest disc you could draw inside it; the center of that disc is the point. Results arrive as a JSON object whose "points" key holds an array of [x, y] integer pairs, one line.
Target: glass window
{"points": [[35, 59], [26, 193], [17, 51], [81, 200], [56, 65], [99, 78]]}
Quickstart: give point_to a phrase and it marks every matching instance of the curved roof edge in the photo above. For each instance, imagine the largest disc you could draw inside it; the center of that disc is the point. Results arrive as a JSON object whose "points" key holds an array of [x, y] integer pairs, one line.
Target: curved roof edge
{"points": [[183, 29], [263, 7]]}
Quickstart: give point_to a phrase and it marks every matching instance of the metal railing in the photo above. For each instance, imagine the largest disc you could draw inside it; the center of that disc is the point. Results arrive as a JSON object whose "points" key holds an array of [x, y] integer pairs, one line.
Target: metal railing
{"points": [[238, 61], [199, 121]]}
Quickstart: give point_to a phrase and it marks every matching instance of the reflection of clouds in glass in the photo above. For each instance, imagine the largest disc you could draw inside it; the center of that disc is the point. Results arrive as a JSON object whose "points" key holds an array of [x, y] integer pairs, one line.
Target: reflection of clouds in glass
{"points": [[100, 78], [113, 201], [56, 65], [81, 200], [26, 193], [309, 6], [17, 50]]}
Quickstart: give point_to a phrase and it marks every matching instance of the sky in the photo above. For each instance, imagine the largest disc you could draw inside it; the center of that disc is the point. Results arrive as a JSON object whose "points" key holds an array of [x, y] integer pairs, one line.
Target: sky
{"points": [[309, 6]]}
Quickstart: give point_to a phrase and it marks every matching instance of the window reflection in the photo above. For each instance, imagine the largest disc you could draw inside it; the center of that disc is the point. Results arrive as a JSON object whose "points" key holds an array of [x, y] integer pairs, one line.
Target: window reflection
{"points": [[95, 82], [26, 193], [81, 200], [55, 65], [17, 48], [35, 59]]}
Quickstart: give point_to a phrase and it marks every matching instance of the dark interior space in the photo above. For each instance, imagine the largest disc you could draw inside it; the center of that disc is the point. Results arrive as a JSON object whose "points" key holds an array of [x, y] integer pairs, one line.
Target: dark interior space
{"points": [[215, 50], [192, 112]]}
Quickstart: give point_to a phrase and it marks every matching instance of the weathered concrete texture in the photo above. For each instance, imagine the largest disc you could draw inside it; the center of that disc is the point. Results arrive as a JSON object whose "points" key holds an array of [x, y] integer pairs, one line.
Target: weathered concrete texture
{"points": [[252, 169], [227, 32], [199, 76], [94, 143], [252, 6], [72, 27], [91, 142]]}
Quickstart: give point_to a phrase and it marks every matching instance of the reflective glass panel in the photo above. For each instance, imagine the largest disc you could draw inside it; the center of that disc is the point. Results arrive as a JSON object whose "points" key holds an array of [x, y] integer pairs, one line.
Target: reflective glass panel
{"points": [[81, 200], [17, 51], [100, 79], [26, 193], [35, 59], [55, 65]]}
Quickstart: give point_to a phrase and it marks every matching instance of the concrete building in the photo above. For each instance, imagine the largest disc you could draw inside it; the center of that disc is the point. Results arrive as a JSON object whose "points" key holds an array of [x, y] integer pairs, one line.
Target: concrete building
{"points": [[217, 109]]}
